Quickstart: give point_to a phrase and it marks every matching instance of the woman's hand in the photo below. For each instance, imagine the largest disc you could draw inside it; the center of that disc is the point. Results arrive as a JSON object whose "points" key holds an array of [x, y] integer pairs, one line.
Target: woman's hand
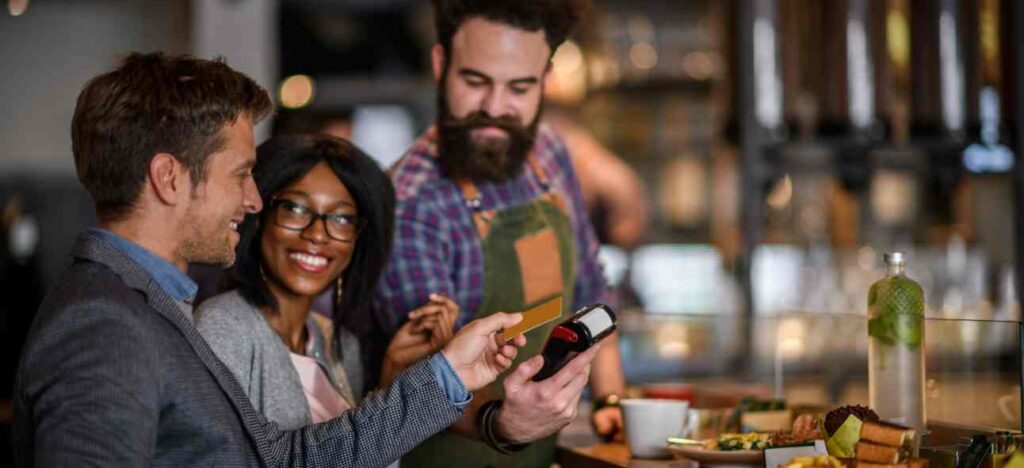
{"points": [[436, 318], [607, 422], [428, 329]]}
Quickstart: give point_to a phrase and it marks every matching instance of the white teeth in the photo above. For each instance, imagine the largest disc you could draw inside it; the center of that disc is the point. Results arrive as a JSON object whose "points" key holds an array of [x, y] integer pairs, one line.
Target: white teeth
{"points": [[311, 260], [233, 225]]}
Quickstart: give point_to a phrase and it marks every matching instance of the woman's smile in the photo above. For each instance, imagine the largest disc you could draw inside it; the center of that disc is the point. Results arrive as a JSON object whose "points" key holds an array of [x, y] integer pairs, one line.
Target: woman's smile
{"points": [[310, 262]]}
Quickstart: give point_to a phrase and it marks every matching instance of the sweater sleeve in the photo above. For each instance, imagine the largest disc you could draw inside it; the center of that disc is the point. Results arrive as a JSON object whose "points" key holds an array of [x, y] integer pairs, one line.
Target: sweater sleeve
{"points": [[225, 327]]}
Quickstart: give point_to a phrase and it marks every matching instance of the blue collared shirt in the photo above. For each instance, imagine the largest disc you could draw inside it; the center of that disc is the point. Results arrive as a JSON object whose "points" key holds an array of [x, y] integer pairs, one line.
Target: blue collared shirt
{"points": [[173, 281], [449, 381], [182, 289]]}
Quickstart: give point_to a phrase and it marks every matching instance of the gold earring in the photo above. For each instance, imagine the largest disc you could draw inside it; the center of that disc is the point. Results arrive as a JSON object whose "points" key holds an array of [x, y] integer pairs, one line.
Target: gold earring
{"points": [[337, 291]]}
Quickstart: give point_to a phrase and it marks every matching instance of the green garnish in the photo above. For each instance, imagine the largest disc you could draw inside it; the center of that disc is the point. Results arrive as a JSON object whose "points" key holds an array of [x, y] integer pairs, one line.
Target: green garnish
{"points": [[896, 307]]}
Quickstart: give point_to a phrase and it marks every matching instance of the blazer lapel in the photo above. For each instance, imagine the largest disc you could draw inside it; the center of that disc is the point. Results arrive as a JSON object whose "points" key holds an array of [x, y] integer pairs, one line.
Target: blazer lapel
{"points": [[166, 306], [93, 248]]}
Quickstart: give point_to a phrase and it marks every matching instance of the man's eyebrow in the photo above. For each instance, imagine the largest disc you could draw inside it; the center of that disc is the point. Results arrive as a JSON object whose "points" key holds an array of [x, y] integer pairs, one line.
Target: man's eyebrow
{"points": [[526, 80], [248, 164], [469, 72]]}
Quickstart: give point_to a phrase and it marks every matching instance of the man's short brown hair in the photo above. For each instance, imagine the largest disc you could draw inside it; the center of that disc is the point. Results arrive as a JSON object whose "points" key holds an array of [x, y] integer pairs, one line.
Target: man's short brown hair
{"points": [[155, 103]]}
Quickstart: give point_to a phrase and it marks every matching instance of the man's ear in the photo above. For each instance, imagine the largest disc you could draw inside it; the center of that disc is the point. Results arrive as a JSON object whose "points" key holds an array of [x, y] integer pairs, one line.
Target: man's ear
{"points": [[169, 179], [437, 60]]}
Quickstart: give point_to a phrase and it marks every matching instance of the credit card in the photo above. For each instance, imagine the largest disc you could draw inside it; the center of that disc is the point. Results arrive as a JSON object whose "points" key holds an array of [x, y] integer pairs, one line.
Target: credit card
{"points": [[535, 317]]}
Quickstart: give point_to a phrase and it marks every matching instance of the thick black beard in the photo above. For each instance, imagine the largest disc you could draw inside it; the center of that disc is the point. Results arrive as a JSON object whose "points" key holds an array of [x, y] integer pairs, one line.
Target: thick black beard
{"points": [[489, 161]]}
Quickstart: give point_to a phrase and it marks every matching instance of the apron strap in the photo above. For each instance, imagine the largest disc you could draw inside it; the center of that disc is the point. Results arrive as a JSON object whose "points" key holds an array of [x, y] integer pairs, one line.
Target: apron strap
{"points": [[542, 175], [545, 184], [474, 201]]}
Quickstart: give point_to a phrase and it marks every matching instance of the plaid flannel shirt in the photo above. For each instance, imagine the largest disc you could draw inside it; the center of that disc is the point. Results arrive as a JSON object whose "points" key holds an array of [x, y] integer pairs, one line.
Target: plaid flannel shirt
{"points": [[437, 248]]}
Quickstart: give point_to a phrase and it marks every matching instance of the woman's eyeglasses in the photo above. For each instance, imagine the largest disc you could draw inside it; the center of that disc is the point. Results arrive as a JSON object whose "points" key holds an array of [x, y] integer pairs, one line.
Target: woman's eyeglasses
{"points": [[298, 217]]}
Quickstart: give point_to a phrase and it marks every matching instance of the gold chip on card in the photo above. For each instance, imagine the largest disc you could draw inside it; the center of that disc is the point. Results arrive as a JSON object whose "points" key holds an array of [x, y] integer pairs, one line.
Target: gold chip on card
{"points": [[535, 317]]}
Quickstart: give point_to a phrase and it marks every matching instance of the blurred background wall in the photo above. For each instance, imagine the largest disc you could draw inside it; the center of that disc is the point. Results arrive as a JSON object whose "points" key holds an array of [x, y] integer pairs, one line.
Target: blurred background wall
{"points": [[50, 51]]}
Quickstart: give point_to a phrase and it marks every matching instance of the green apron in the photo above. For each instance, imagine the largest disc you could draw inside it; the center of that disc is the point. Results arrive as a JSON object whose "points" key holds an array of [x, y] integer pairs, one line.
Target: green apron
{"points": [[529, 258]]}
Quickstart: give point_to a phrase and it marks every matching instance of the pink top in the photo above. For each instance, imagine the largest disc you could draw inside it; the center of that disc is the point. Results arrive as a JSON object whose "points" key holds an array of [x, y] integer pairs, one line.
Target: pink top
{"points": [[325, 402]]}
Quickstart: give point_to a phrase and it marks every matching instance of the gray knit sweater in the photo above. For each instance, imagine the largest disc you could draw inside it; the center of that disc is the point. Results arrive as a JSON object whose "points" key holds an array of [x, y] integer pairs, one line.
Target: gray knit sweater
{"points": [[244, 341]]}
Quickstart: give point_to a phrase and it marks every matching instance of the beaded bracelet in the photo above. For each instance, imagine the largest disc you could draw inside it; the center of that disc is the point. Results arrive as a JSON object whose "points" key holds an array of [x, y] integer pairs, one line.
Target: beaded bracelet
{"points": [[485, 424]]}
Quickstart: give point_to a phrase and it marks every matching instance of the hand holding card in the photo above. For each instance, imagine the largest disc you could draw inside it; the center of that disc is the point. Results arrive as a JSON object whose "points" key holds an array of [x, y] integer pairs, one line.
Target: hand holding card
{"points": [[534, 318]]}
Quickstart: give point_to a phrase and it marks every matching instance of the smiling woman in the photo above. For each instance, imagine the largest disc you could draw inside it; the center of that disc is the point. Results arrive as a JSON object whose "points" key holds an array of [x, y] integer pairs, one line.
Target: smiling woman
{"points": [[309, 240], [328, 219]]}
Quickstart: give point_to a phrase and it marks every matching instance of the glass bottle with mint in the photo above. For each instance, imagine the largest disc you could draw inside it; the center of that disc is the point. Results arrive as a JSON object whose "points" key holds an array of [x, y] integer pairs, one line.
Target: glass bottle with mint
{"points": [[896, 347]]}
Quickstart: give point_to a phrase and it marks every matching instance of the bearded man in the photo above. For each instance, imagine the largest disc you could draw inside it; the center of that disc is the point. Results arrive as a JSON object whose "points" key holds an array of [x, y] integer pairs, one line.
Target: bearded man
{"points": [[490, 214]]}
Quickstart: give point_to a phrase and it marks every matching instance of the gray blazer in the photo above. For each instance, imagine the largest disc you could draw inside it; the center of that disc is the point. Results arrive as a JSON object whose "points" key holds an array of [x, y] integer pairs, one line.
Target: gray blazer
{"points": [[114, 374]]}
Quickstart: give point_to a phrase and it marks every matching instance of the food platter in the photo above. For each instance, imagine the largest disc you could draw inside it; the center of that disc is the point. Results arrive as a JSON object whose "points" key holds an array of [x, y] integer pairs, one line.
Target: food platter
{"points": [[726, 449], [717, 457]]}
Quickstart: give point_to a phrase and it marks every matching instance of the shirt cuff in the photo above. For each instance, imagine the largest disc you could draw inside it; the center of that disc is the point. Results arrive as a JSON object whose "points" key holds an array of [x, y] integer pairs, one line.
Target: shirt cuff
{"points": [[449, 381]]}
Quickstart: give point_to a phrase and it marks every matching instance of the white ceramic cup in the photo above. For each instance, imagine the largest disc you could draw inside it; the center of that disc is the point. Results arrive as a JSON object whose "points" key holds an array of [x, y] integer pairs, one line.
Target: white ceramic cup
{"points": [[650, 422]]}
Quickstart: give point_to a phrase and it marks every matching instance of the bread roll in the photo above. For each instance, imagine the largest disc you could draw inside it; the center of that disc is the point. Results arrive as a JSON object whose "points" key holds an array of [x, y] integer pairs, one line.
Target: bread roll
{"points": [[886, 434], [866, 451]]}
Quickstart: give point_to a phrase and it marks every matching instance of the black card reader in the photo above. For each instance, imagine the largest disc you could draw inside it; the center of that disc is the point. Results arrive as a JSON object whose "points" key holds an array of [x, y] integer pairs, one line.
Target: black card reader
{"points": [[585, 328]]}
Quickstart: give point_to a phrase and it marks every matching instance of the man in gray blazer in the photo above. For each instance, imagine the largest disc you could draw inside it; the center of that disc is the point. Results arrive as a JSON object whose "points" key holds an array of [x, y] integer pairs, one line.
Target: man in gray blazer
{"points": [[115, 374]]}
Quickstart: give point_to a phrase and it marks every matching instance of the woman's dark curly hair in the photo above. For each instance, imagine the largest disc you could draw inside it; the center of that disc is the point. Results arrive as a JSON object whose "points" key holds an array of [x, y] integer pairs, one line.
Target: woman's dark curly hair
{"points": [[558, 18], [283, 161]]}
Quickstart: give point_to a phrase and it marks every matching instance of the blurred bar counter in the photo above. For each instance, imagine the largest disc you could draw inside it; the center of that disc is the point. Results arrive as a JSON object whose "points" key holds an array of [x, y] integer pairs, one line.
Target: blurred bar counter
{"points": [[579, 447], [819, 361], [816, 362]]}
